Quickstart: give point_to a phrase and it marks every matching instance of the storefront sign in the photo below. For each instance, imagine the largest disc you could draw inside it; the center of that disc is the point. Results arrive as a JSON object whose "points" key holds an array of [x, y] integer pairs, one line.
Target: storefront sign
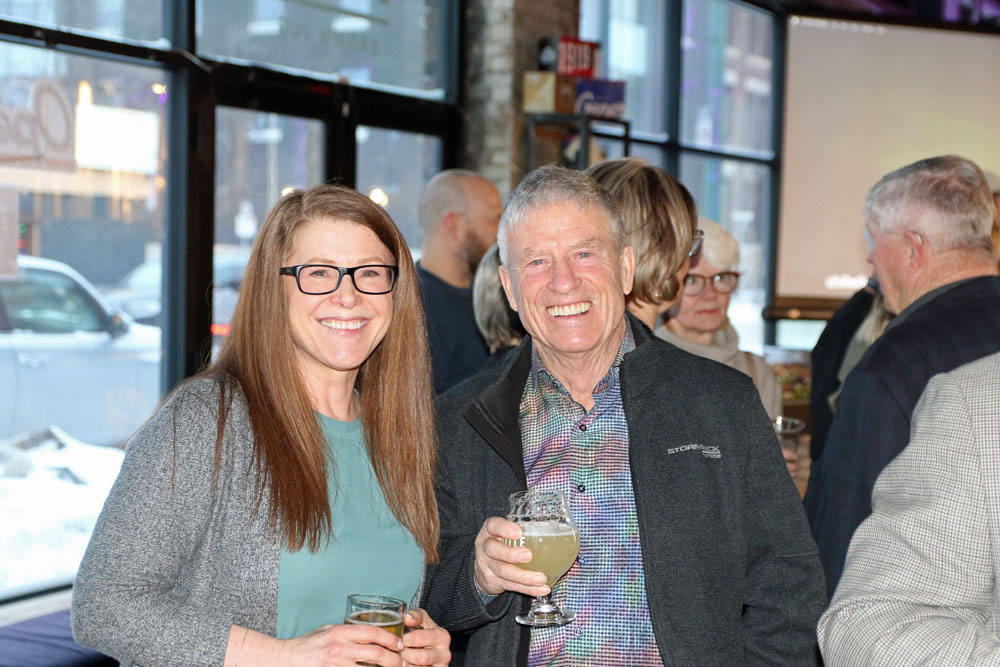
{"points": [[117, 139], [41, 135]]}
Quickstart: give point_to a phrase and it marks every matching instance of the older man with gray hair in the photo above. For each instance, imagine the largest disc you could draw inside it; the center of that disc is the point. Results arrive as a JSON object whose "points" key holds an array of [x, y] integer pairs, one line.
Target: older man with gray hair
{"points": [[694, 548], [928, 225]]}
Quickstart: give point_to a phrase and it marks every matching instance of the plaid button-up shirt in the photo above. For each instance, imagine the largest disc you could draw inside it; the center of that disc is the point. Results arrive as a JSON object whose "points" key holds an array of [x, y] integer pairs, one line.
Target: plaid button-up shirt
{"points": [[585, 454]]}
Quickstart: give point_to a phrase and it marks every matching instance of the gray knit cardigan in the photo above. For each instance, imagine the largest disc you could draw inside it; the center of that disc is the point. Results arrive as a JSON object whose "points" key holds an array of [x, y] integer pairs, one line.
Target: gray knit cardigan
{"points": [[173, 561]]}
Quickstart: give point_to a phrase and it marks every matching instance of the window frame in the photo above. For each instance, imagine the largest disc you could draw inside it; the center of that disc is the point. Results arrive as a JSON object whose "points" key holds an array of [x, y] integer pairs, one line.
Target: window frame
{"points": [[671, 147], [198, 87]]}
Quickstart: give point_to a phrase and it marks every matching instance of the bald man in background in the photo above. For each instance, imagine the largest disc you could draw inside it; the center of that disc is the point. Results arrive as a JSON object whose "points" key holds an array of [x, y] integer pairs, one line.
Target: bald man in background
{"points": [[459, 212]]}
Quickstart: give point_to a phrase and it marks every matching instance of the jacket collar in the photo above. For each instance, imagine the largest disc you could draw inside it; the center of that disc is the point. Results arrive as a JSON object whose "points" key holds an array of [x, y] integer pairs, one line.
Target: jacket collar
{"points": [[494, 415]]}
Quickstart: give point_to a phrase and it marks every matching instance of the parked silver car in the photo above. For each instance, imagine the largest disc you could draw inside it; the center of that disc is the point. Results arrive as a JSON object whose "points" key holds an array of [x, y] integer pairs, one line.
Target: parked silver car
{"points": [[67, 359]]}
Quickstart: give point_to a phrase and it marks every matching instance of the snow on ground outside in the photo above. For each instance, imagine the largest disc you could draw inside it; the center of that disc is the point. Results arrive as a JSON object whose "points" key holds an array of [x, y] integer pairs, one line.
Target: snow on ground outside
{"points": [[50, 497]]}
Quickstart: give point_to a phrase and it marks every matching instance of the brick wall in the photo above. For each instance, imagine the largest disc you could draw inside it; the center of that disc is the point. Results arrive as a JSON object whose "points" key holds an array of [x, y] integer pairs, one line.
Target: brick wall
{"points": [[502, 42]]}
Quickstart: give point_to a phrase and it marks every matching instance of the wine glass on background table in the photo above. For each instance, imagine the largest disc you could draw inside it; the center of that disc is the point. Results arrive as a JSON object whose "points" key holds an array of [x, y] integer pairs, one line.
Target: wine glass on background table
{"points": [[547, 529]]}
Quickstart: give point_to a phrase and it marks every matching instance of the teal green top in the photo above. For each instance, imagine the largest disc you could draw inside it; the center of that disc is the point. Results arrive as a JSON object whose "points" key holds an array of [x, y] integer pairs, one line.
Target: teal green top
{"points": [[370, 551]]}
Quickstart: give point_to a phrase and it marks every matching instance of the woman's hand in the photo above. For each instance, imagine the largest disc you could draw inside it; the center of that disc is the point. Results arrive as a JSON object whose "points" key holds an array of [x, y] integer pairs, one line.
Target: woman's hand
{"points": [[426, 643], [336, 645]]}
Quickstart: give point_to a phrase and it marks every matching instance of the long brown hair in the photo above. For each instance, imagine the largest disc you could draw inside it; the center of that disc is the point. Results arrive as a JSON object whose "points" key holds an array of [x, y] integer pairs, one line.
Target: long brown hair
{"points": [[393, 384]]}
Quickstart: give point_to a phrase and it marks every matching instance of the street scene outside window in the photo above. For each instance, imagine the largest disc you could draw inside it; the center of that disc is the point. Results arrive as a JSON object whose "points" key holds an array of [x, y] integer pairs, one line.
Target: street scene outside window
{"points": [[82, 194], [726, 107], [379, 43]]}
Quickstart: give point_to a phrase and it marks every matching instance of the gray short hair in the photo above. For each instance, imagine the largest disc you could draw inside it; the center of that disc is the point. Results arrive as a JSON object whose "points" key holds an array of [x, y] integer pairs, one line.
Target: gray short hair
{"points": [[949, 193], [553, 184], [720, 248]]}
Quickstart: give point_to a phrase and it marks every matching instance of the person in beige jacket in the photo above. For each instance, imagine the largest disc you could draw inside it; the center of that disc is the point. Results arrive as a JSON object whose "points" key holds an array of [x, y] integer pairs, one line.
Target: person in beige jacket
{"points": [[920, 582]]}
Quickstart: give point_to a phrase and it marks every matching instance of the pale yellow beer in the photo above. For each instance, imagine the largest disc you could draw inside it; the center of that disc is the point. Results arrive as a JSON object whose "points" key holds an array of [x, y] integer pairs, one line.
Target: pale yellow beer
{"points": [[554, 546], [387, 620]]}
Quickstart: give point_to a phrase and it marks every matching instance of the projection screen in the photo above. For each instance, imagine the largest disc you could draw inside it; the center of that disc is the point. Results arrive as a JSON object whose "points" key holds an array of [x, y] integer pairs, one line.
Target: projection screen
{"points": [[862, 99]]}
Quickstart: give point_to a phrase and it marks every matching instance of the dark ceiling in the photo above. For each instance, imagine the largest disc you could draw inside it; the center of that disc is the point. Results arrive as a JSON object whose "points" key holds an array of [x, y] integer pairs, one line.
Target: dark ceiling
{"points": [[982, 13]]}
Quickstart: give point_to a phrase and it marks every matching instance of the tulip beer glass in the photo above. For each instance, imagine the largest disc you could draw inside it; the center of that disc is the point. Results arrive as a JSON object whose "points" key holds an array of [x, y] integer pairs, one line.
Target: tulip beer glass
{"points": [[547, 529]]}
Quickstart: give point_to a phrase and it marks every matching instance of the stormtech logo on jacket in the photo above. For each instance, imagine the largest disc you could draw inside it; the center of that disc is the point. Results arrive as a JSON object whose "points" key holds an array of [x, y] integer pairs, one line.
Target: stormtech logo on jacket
{"points": [[708, 451]]}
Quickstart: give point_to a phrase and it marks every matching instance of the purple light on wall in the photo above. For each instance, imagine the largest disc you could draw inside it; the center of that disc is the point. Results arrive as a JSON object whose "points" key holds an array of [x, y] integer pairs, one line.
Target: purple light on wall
{"points": [[951, 10]]}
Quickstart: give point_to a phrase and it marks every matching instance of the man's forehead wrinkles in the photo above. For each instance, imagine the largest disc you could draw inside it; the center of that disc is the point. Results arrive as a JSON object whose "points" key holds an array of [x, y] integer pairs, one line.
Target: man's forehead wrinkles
{"points": [[594, 241]]}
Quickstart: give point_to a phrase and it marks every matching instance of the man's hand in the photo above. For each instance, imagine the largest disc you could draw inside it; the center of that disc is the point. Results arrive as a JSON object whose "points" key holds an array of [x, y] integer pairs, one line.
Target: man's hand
{"points": [[496, 561], [426, 643]]}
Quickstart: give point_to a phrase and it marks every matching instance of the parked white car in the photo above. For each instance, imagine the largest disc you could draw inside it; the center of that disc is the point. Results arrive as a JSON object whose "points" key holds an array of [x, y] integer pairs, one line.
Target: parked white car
{"points": [[140, 290], [67, 359]]}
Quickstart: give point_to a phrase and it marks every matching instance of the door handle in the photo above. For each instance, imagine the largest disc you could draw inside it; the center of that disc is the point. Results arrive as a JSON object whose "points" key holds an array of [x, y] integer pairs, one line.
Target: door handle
{"points": [[32, 359]]}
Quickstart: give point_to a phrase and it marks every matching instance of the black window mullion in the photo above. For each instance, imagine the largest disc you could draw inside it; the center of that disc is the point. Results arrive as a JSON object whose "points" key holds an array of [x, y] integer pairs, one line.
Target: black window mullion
{"points": [[777, 130], [672, 84], [190, 228], [341, 140]]}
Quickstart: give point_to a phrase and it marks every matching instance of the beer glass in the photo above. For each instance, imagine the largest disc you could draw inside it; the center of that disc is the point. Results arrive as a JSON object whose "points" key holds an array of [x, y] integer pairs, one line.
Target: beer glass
{"points": [[789, 430], [548, 530], [385, 612]]}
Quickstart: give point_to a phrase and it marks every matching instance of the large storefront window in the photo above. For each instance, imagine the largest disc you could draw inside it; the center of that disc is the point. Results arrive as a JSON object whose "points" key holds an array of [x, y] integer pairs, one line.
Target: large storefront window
{"points": [[727, 101], [103, 295], [259, 156], [390, 42], [140, 20], [82, 200], [393, 168]]}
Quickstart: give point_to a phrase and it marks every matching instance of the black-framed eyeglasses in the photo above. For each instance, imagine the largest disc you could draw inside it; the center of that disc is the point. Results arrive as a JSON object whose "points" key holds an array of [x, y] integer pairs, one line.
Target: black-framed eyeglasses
{"points": [[699, 238], [723, 283], [325, 278]]}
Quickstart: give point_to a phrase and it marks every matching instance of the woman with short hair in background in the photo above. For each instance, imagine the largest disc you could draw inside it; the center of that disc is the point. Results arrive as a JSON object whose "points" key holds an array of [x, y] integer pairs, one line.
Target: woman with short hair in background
{"points": [[661, 225], [699, 323]]}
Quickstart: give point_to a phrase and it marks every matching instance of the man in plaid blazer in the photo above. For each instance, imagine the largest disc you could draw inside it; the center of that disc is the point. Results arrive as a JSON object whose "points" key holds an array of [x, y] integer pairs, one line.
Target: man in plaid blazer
{"points": [[928, 226], [920, 584]]}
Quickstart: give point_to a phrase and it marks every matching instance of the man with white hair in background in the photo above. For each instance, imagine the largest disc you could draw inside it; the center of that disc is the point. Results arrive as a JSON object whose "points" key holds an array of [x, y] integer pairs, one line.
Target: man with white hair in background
{"points": [[928, 225], [459, 211]]}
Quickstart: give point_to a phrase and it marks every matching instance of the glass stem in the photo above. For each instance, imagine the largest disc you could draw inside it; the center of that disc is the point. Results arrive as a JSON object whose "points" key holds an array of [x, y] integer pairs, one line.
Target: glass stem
{"points": [[542, 604]]}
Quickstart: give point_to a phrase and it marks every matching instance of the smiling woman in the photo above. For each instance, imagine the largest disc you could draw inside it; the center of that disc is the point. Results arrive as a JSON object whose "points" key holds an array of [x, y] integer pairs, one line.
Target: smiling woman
{"points": [[297, 468], [334, 323]]}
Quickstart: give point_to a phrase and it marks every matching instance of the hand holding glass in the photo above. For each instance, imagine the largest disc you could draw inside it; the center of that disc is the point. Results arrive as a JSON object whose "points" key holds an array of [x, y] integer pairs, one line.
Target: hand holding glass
{"points": [[385, 612], [547, 529], [380, 610]]}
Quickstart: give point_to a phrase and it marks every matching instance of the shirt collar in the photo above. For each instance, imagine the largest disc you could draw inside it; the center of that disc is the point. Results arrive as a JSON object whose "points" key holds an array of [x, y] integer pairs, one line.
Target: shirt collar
{"points": [[542, 378], [925, 298]]}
